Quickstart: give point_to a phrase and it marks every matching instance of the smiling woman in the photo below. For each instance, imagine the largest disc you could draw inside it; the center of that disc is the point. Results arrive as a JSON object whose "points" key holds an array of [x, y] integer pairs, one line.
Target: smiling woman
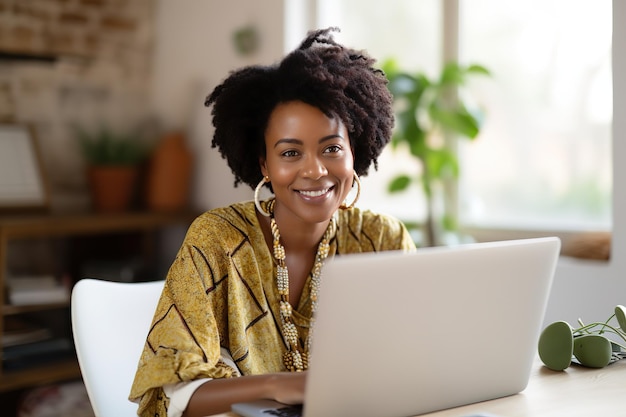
{"points": [[233, 322]]}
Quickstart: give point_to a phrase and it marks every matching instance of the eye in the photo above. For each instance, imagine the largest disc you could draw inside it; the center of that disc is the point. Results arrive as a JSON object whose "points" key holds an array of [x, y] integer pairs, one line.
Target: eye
{"points": [[333, 149], [291, 153]]}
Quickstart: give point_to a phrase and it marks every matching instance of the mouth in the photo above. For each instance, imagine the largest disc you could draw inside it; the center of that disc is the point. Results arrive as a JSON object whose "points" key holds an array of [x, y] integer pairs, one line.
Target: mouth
{"points": [[315, 193]]}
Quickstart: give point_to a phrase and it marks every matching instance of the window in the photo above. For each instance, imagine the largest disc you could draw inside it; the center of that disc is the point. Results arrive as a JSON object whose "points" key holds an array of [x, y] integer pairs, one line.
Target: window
{"points": [[543, 158], [549, 115]]}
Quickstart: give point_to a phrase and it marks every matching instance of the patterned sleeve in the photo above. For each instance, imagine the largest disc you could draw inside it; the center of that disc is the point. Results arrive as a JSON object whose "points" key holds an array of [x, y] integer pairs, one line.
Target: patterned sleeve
{"points": [[183, 343]]}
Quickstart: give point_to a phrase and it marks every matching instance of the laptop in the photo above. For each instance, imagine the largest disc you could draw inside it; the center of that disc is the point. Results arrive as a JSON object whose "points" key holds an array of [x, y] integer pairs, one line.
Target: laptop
{"points": [[402, 334]]}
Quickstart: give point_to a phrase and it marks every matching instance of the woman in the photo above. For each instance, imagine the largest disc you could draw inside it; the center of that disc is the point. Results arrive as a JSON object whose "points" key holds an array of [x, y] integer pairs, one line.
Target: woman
{"points": [[233, 320]]}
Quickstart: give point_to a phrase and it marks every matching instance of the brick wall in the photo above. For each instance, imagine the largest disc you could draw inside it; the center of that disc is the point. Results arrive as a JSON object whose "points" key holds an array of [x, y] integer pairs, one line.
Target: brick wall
{"points": [[96, 70]]}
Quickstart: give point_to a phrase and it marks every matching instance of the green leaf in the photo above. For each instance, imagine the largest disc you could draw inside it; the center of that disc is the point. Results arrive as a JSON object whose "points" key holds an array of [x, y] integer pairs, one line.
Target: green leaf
{"points": [[457, 121], [620, 314], [592, 350], [399, 183], [478, 70], [104, 147], [452, 74], [455, 74], [408, 130], [390, 67], [443, 163], [556, 345], [449, 222], [419, 149]]}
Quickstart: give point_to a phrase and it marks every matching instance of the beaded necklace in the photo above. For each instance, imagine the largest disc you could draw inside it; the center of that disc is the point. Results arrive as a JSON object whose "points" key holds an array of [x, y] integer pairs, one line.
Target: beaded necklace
{"points": [[294, 359]]}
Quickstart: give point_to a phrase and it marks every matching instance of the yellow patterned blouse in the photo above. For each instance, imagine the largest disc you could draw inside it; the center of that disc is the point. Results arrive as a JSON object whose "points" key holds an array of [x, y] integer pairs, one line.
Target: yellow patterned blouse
{"points": [[221, 292]]}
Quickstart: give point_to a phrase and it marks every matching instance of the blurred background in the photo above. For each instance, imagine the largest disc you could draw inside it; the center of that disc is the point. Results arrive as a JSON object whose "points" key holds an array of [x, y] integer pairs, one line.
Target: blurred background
{"points": [[113, 72]]}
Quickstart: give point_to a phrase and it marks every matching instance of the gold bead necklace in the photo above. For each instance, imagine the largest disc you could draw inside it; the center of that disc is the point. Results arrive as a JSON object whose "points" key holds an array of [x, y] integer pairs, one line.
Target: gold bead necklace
{"points": [[295, 359]]}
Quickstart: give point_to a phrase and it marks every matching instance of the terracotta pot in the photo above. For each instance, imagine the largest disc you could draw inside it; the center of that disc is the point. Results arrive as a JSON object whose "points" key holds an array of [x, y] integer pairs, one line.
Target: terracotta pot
{"points": [[112, 187], [169, 175]]}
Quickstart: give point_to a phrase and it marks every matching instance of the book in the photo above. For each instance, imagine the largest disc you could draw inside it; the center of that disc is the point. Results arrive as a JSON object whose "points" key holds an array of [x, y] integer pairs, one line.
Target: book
{"points": [[35, 353], [19, 331], [25, 336], [39, 289]]}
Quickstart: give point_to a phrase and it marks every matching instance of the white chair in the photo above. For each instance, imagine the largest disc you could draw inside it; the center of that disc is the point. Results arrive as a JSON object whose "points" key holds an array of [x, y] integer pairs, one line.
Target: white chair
{"points": [[110, 322]]}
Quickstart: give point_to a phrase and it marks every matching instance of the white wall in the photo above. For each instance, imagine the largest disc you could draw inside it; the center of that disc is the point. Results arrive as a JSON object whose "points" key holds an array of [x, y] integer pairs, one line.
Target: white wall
{"points": [[194, 52]]}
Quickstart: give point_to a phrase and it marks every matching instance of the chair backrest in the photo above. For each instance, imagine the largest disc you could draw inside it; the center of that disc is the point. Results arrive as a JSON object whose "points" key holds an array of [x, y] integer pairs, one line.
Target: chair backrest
{"points": [[110, 322]]}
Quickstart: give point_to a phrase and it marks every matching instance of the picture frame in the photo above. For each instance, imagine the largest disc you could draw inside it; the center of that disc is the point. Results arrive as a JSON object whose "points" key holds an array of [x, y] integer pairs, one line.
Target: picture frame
{"points": [[23, 183]]}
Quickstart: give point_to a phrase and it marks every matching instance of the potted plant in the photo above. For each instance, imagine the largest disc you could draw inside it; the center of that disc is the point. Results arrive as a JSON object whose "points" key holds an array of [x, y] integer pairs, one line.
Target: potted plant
{"points": [[430, 115], [113, 161]]}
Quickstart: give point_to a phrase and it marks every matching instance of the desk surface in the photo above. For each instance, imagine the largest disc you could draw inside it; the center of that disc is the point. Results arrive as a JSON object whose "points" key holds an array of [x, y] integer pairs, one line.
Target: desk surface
{"points": [[577, 391]]}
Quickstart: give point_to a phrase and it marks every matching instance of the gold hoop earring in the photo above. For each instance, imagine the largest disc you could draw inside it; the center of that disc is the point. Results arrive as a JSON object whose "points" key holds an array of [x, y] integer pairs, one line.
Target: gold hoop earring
{"points": [[257, 191], [357, 181]]}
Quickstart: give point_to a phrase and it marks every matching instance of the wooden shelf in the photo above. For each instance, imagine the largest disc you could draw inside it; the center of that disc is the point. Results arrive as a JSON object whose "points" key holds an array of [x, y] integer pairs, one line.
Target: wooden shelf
{"points": [[64, 226], [40, 375], [9, 309], [16, 227]]}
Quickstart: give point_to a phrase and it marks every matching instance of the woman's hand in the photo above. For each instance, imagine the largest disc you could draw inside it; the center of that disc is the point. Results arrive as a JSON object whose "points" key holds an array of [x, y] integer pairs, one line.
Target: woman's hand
{"points": [[217, 395], [288, 387]]}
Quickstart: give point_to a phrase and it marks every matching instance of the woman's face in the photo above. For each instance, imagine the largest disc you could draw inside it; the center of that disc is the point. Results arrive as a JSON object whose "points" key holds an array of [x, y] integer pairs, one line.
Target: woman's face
{"points": [[308, 160]]}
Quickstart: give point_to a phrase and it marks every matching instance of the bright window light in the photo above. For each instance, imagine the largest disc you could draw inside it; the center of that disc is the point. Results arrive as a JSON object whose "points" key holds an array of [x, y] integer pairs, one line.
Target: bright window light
{"points": [[543, 158]]}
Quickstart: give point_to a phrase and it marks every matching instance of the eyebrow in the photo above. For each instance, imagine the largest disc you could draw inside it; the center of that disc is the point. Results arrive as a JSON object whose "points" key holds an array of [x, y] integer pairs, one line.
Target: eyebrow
{"points": [[299, 142]]}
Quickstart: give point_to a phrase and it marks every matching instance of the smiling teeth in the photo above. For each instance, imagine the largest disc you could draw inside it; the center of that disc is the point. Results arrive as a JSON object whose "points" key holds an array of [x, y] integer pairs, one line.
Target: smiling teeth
{"points": [[314, 193]]}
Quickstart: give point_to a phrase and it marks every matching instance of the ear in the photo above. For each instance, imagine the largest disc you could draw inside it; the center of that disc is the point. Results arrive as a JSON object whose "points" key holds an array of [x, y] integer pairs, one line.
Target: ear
{"points": [[263, 165]]}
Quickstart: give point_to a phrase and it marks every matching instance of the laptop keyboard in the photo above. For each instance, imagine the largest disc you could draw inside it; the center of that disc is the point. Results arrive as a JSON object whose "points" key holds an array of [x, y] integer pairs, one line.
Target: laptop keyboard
{"points": [[289, 411]]}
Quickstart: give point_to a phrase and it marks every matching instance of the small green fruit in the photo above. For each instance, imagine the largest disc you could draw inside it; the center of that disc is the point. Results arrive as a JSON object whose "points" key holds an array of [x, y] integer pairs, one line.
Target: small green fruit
{"points": [[592, 350], [556, 345], [620, 314]]}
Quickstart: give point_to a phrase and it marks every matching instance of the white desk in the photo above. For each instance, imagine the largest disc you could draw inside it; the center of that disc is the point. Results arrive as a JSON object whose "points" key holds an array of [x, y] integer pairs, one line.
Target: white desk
{"points": [[575, 392]]}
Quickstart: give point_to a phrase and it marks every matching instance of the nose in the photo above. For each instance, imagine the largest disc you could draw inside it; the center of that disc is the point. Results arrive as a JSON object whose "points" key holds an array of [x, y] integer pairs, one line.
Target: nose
{"points": [[314, 168]]}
